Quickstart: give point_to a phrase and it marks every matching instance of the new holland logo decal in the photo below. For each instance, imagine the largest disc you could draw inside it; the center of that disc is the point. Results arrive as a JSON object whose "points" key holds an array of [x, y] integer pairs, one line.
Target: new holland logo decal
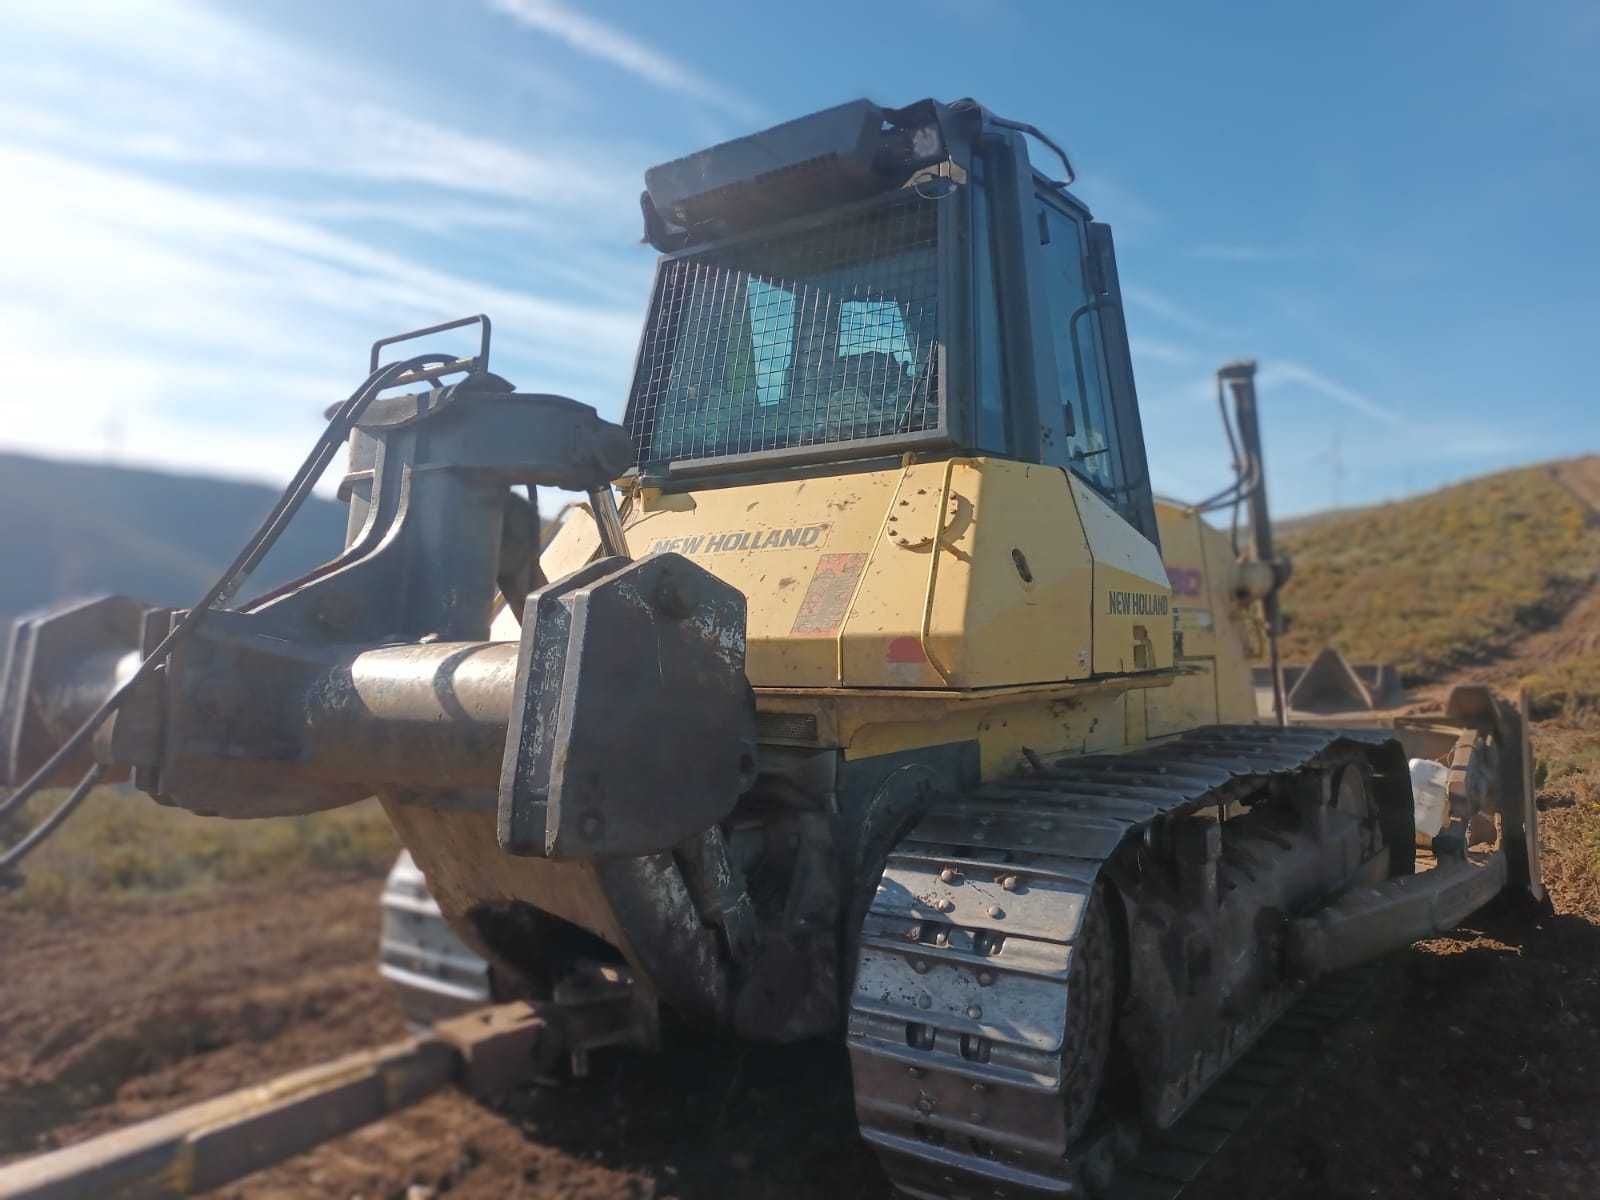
{"points": [[1137, 604], [792, 537]]}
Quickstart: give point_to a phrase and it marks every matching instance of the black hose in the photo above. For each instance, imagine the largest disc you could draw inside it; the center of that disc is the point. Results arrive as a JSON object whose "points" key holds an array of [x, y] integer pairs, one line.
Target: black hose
{"points": [[226, 586], [46, 827], [327, 447]]}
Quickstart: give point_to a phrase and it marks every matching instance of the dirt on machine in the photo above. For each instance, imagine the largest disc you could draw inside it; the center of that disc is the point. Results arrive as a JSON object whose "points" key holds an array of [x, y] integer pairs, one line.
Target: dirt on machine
{"points": [[888, 705]]}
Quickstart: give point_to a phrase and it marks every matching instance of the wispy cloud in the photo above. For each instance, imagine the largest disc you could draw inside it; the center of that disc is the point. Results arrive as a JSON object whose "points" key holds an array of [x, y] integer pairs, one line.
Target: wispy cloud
{"points": [[1129, 211], [126, 85], [208, 247], [246, 123], [1163, 307], [235, 283], [444, 216], [1291, 373], [225, 329], [1157, 350], [591, 36]]}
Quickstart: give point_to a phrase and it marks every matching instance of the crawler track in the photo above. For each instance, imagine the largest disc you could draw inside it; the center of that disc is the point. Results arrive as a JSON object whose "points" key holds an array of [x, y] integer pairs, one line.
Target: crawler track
{"points": [[980, 1017], [1167, 1162]]}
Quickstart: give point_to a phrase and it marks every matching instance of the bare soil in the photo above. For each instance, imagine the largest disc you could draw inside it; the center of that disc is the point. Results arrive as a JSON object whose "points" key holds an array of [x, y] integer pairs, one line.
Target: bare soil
{"points": [[1472, 1070]]}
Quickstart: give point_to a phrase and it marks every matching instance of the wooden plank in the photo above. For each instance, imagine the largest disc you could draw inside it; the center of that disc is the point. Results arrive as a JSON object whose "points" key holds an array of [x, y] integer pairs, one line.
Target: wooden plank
{"points": [[217, 1141]]}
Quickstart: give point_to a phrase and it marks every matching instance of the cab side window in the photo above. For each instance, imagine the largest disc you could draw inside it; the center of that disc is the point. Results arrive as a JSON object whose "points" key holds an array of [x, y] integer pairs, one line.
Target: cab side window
{"points": [[1092, 450]]}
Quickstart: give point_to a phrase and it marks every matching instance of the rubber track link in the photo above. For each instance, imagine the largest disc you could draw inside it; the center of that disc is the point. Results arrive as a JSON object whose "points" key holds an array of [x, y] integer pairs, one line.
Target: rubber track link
{"points": [[961, 1019]]}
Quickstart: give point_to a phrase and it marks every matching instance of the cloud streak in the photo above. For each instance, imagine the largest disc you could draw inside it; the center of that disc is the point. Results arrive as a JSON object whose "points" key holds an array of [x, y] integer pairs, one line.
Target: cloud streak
{"points": [[1282, 372], [1169, 310], [1156, 350], [213, 236], [124, 87], [225, 326], [604, 42]]}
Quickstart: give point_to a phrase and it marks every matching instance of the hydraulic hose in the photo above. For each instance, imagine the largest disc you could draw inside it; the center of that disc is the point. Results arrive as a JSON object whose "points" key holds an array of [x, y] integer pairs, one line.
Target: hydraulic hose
{"points": [[224, 589]]}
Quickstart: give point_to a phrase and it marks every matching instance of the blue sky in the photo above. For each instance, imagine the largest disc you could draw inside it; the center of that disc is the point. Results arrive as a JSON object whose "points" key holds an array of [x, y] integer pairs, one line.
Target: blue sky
{"points": [[212, 210]]}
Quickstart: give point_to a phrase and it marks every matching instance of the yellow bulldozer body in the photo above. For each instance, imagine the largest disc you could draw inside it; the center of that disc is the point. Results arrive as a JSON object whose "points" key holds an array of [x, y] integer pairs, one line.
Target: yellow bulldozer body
{"points": [[1043, 623]]}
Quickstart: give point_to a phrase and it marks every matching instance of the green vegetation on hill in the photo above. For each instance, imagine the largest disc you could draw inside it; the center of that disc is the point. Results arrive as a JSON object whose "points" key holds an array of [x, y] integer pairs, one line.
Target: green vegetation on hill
{"points": [[1569, 689], [1442, 580], [1459, 579], [122, 842]]}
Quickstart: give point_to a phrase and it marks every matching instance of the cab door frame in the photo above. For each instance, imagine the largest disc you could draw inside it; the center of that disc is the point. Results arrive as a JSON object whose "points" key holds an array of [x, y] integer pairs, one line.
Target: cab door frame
{"points": [[1104, 336], [1035, 418]]}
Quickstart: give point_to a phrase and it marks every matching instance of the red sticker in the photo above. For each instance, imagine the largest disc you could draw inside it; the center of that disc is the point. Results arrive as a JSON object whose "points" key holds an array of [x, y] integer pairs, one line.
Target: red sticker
{"points": [[1186, 581], [906, 650], [827, 600]]}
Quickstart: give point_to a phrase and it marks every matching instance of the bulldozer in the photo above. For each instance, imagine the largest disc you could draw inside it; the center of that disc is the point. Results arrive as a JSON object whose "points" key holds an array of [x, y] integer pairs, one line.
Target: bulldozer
{"points": [[889, 704]]}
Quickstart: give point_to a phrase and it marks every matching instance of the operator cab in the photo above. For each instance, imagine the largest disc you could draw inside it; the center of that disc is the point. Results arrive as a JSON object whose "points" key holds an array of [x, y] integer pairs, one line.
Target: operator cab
{"points": [[865, 283]]}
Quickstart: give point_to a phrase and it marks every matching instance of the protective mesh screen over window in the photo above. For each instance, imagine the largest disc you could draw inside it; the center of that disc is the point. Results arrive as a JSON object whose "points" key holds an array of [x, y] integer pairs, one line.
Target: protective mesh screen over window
{"points": [[827, 334]]}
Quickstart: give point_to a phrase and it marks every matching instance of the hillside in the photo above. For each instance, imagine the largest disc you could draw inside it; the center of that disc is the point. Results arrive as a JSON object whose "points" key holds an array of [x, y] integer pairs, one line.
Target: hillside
{"points": [[1496, 580], [72, 529], [1444, 580]]}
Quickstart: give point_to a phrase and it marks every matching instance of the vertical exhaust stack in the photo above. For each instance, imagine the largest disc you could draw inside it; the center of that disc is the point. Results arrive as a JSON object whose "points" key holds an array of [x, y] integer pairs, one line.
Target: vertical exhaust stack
{"points": [[1249, 463]]}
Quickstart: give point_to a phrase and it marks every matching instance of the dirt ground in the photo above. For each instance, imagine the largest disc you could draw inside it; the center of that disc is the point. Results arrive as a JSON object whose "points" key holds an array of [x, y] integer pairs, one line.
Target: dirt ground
{"points": [[1472, 1070]]}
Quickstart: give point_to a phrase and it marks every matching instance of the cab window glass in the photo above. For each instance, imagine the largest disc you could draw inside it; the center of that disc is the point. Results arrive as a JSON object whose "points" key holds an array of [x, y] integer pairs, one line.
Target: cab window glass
{"points": [[771, 333], [875, 327], [1092, 450], [987, 349]]}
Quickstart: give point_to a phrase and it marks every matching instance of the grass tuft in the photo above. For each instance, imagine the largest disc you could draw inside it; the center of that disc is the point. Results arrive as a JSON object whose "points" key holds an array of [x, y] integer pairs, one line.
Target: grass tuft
{"points": [[120, 842], [1569, 690]]}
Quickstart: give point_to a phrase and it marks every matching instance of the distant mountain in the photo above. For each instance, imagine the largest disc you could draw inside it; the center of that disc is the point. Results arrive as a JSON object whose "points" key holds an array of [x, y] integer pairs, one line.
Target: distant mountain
{"points": [[75, 529]]}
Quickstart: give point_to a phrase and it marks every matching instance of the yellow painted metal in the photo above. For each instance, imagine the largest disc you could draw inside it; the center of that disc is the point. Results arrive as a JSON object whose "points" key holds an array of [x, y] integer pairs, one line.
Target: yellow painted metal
{"points": [[1003, 601], [1132, 600], [968, 599], [878, 597], [1010, 602], [937, 543], [881, 639], [1046, 718], [966, 573], [797, 550], [1216, 628], [573, 545]]}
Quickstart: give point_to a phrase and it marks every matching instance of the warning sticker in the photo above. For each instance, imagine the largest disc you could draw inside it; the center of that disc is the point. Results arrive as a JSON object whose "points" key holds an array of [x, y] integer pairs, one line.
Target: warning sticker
{"points": [[828, 598]]}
